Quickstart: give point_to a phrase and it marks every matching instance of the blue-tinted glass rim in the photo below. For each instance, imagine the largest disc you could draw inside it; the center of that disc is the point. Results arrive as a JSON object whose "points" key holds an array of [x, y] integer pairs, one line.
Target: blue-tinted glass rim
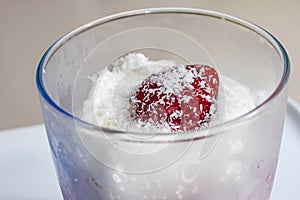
{"points": [[276, 44]]}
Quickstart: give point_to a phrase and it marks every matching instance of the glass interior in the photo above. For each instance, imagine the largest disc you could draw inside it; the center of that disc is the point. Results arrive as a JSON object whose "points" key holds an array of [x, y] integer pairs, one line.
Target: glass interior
{"points": [[237, 49]]}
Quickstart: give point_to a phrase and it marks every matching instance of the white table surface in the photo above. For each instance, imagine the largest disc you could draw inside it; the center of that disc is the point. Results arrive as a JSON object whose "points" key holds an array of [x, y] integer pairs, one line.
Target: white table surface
{"points": [[27, 171]]}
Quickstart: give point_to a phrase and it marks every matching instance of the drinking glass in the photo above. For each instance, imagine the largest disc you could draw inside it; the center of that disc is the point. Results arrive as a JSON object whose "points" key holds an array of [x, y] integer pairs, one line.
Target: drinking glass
{"points": [[232, 159]]}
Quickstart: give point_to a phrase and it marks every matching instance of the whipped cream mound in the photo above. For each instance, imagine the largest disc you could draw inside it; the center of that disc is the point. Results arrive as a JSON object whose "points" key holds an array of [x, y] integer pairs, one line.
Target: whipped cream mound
{"points": [[107, 104]]}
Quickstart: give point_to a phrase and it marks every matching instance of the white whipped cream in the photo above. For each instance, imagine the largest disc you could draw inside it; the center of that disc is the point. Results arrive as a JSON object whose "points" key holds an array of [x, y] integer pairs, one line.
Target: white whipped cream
{"points": [[108, 100]]}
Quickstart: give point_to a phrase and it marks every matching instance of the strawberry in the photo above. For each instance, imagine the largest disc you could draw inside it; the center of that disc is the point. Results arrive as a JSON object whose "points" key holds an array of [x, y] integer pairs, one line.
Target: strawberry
{"points": [[180, 97]]}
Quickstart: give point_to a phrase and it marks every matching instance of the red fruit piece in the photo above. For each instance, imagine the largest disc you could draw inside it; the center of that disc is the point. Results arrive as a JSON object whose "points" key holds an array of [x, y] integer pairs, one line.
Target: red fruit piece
{"points": [[180, 97]]}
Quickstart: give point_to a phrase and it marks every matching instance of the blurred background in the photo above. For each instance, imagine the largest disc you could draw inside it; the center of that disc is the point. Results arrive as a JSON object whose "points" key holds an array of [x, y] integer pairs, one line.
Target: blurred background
{"points": [[29, 27]]}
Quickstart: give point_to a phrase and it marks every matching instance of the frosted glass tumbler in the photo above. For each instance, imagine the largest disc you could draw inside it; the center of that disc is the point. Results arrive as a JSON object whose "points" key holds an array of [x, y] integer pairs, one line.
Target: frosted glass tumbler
{"points": [[235, 159]]}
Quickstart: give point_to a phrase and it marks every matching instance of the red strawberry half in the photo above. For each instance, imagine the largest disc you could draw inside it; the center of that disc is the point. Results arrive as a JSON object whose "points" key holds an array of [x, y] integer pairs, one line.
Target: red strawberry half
{"points": [[180, 97]]}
